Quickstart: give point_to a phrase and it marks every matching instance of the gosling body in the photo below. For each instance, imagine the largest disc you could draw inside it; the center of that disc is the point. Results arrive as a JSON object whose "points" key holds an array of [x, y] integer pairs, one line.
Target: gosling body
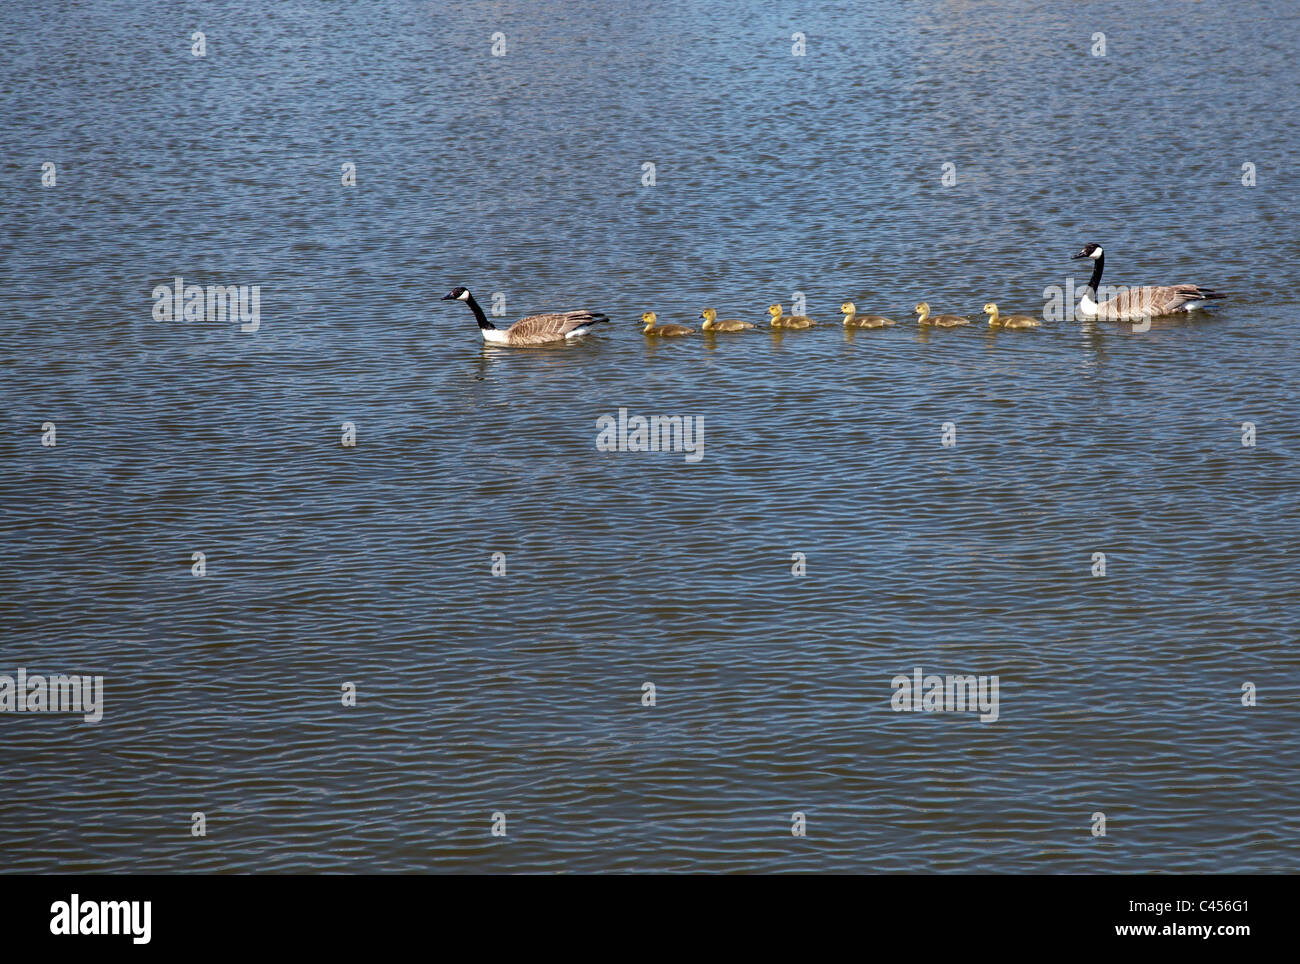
{"points": [[656, 330], [854, 320], [712, 325], [939, 321], [999, 320], [788, 322]]}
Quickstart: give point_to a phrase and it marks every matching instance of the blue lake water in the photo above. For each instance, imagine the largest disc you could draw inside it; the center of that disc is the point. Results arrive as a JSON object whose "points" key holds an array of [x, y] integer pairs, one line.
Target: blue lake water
{"points": [[522, 175]]}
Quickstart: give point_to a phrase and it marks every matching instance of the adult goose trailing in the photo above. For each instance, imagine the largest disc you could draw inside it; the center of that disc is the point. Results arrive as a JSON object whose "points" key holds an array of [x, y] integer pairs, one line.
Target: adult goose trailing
{"points": [[1136, 304], [533, 330]]}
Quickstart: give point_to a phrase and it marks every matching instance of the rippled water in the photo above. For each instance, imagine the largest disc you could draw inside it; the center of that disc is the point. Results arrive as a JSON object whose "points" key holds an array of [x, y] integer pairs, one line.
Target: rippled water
{"points": [[522, 694]]}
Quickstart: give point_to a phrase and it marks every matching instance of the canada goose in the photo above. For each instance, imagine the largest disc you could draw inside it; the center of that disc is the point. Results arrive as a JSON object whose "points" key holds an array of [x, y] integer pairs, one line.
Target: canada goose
{"points": [[1009, 321], [940, 321], [533, 330], [711, 323], [662, 331], [1135, 304], [854, 320], [791, 322]]}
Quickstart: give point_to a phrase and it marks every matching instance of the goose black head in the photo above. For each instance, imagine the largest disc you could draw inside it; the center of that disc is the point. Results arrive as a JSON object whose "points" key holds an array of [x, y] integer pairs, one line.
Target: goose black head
{"points": [[1089, 250], [456, 294]]}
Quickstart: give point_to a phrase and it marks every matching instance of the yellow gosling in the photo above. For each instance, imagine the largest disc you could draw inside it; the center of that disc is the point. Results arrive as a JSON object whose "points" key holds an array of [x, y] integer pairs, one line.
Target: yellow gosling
{"points": [[662, 331], [854, 320], [1009, 321], [939, 321], [711, 323], [788, 322]]}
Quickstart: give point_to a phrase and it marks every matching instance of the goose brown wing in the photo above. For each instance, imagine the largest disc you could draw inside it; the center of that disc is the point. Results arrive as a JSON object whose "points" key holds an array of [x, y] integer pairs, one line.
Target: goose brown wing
{"points": [[538, 329], [1153, 300], [1175, 296]]}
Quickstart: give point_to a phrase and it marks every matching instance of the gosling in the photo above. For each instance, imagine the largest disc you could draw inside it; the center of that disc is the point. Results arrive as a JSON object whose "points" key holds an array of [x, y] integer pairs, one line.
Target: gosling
{"points": [[1009, 321], [939, 321], [711, 323], [854, 320], [789, 322], [662, 331]]}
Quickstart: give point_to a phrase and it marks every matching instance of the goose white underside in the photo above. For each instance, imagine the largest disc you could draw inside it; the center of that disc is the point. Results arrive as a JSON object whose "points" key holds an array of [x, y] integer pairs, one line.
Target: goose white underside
{"points": [[498, 336], [1088, 308]]}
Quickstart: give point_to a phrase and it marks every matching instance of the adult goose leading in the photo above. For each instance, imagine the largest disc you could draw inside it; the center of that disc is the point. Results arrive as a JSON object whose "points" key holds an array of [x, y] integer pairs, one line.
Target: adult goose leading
{"points": [[1136, 304], [533, 330]]}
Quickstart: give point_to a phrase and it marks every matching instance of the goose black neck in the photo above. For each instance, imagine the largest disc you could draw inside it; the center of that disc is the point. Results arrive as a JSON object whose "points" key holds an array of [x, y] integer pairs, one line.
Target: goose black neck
{"points": [[478, 313], [1095, 281]]}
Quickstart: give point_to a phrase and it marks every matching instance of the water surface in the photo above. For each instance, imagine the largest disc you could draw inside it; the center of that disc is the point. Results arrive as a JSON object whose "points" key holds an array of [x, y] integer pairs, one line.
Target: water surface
{"points": [[522, 175]]}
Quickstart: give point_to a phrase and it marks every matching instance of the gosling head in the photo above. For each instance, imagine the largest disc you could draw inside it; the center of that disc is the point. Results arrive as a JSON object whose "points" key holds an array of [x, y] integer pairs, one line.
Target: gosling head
{"points": [[708, 314], [649, 317], [456, 294], [1090, 250], [847, 308], [922, 309], [990, 309], [774, 311]]}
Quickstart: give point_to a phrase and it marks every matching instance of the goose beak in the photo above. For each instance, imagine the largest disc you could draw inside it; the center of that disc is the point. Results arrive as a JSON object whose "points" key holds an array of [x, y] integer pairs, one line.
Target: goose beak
{"points": [[446, 297], [1081, 254]]}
